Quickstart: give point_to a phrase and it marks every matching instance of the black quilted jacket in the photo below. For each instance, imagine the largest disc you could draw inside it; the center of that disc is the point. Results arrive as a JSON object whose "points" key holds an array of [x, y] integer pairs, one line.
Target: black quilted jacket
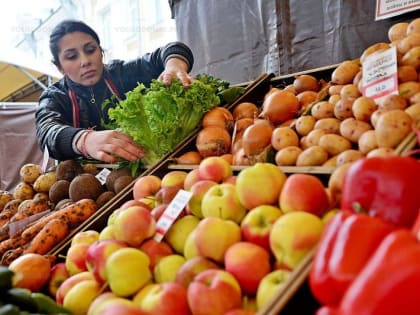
{"points": [[54, 117]]}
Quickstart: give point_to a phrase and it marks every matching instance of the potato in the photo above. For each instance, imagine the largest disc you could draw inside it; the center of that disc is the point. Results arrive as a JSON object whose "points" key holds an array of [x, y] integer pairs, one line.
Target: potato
{"points": [[350, 91], [408, 43], [397, 31], [347, 156], [333, 99], [345, 72], [381, 152], [334, 144], [415, 99], [312, 156], [378, 47], [23, 191], [367, 141], [323, 109], [375, 116], [407, 73], [313, 137], [412, 57], [393, 101], [363, 107], [304, 124], [392, 127], [335, 182], [335, 89], [331, 162], [343, 109], [287, 156], [413, 26], [414, 112], [44, 182], [330, 125], [30, 172], [5, 197], [352, 129], [284, 137]]}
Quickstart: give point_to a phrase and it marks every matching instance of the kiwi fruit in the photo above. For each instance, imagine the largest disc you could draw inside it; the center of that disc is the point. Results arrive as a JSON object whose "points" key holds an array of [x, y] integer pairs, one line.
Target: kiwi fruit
{"points": [[113, 175], [104, 198], [68, 169], [59, 190], [122, 182], [85, 186]]}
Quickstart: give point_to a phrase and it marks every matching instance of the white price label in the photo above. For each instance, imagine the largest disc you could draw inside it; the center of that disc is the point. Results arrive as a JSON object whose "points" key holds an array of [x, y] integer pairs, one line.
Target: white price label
{"points": [[380, 76], [102, 175], [171, 213]]}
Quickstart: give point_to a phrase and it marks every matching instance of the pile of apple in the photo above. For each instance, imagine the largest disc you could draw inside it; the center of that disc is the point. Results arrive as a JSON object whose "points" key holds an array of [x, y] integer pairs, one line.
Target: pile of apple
{"points": [[229, 250]]}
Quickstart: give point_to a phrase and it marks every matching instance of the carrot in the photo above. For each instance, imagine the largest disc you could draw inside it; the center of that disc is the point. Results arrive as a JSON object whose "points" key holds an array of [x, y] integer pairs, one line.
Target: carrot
{"points": [[11, 243], [31, 207], [73, 214], [50, 235]]}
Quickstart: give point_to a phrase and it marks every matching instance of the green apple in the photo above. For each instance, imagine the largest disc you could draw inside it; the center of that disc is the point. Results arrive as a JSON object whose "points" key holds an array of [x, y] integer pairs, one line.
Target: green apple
{"points": [[167, 267]]}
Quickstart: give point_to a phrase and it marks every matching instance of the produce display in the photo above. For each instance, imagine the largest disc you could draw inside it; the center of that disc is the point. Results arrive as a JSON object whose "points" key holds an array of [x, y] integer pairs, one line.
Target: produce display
{"points": [[225, 228]]}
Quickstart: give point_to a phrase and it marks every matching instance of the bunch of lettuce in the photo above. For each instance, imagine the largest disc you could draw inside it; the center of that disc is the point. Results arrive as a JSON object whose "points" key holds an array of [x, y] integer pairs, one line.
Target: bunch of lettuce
{"points": [[160, 117]]}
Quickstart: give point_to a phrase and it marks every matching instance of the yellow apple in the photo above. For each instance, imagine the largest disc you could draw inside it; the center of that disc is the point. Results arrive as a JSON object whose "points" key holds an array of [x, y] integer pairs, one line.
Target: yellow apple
{"points": [[198, 190], [88, 236], [76, 258], [145, 186], [222, 201], [174, 178], [71, 282], [270, 285], [293, 235], [260, 184], [114, 306], [190, 248], [193, 267], [167, 267], [213, 236], [127, 271], [107, 233], [257, 224], [155, 250], [58, 275], [191, 178], [179, 231], [80, 296]]}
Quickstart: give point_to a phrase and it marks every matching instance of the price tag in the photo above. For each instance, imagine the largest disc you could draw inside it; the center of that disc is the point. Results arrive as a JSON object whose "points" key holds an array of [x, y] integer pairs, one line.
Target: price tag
{"points": [[102, 175], [380, 76], [45, 159], [171, 213]]}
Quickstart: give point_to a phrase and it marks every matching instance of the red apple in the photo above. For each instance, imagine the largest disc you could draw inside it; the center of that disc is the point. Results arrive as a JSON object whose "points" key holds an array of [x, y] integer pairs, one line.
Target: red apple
{"points": [[198, 190], [101, 298], [213, 236], [58, 275], [69, 283], [158, 210], [214, 292], [97, 255], [249, 263], [193, 267], [304, 192], [167, 298], [260, 184], [222, 201], [76, 258], [241, 311], [115, 306], [134, 202], [230, 179], [145, 186], [257, 223], [174, 178], [214, 168], [191, 178], [134, 225], [156, 250], [166, 193]]}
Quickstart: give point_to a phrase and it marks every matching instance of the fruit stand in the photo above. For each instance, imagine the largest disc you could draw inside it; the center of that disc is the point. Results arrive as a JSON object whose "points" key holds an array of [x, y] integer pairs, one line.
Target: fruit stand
{"points": [[296, 169]]}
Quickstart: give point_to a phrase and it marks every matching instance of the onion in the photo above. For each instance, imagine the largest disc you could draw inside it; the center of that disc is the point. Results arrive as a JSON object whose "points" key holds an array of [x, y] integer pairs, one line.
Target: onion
{"points": [[213, 141], [306, 98], [240, 158], [218, 116], [256, 137], [245, 110], [280, 106], [188, 158], [305, 82]]}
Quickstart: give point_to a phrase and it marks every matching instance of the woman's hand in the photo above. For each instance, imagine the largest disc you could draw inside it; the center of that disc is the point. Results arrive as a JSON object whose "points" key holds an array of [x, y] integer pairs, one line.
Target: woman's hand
{"points": [[176, 68], [108, 145]]}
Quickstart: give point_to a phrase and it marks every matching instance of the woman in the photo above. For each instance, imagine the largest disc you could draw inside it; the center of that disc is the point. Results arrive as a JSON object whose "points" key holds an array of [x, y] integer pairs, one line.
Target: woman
{"points": [[70, 117]]}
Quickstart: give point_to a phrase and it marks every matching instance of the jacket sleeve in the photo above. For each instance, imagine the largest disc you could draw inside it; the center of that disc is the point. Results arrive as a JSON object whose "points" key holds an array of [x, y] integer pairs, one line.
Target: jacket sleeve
{"points": [[150, 66], [53, 122]]}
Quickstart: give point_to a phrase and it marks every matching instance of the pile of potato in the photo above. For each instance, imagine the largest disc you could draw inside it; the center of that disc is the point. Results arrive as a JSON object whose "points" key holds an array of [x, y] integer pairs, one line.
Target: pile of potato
{"points": [[312, 122]]}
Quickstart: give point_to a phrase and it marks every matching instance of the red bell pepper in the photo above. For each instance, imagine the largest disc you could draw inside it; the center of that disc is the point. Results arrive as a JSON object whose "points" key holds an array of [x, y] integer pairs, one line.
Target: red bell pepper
{"points": [[386, 187], [388, 284], [347, 243]]}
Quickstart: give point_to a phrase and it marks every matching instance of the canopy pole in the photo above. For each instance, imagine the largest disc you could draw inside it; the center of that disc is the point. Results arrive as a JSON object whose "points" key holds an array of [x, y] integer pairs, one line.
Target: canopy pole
{"points": [[42, 85]]}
